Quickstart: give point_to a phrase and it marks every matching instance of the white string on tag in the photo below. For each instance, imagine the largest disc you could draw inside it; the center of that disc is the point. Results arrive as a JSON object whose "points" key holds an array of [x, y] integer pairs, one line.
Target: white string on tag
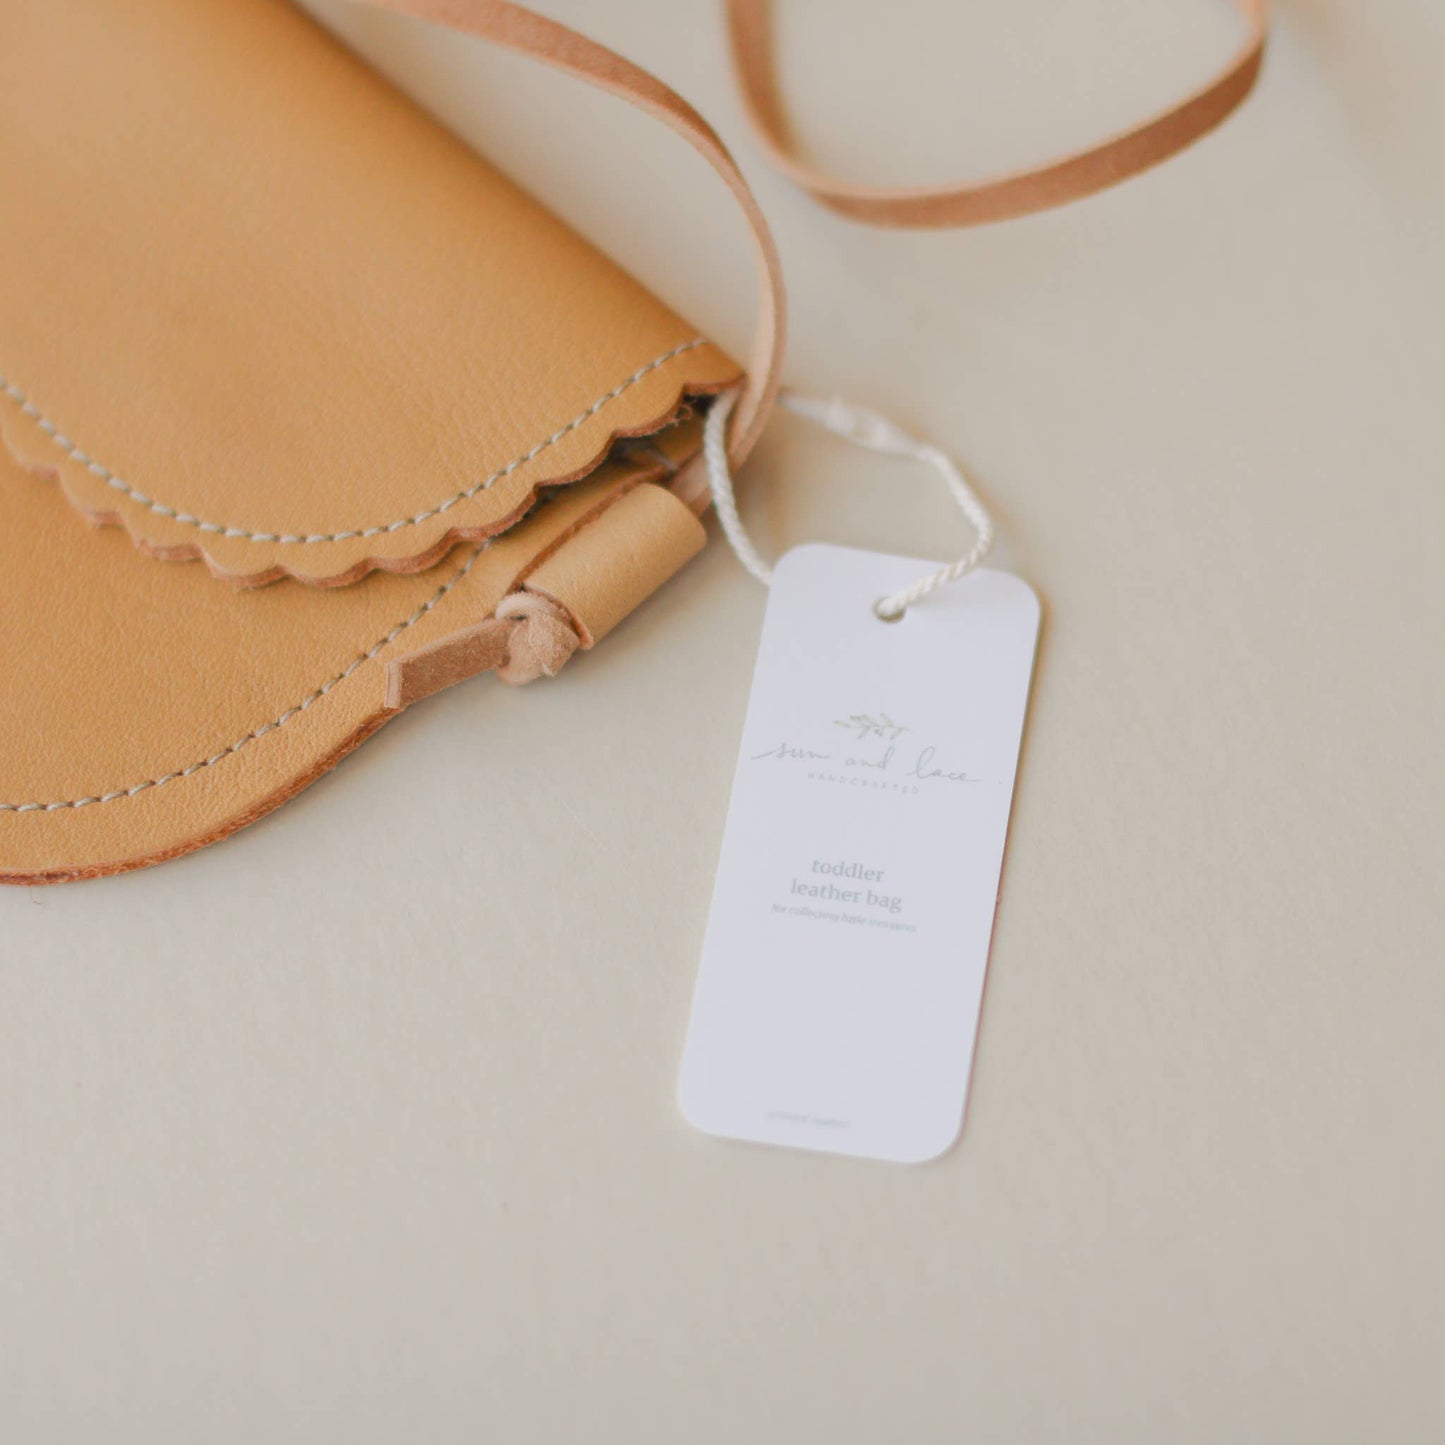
{"points": [[865, 429]]}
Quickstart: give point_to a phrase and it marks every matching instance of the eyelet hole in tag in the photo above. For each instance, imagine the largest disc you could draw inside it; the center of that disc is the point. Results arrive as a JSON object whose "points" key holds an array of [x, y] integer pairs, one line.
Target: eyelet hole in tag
{"points": [[843, 965]]}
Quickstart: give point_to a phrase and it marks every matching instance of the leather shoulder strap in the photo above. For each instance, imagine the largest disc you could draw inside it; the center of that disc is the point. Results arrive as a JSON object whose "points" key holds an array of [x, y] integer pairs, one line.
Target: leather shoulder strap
{"points": [[522, 30], [994, 198]]}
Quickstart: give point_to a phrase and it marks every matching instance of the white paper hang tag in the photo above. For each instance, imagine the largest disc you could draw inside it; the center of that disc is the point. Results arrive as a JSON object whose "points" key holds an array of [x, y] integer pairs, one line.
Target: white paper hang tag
{"points": [[843, 964]]}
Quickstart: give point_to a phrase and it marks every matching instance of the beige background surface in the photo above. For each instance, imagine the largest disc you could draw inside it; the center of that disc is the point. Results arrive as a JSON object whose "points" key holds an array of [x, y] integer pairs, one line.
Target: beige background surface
{"points": [[360, 1127]]}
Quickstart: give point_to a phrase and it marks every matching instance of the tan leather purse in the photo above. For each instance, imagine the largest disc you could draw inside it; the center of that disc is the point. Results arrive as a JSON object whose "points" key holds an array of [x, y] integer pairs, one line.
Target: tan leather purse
{"points": [[307, 411]]}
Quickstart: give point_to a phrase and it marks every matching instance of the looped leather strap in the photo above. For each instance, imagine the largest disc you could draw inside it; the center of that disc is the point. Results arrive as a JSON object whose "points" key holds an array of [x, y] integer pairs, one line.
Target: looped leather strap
{"points": [[992, 199], [995, 198], [520, 29]]}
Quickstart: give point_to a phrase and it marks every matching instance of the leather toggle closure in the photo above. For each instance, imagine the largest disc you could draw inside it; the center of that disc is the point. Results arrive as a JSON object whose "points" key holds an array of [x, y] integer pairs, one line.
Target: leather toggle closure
{"points": [[568, 599], [541, 638]]}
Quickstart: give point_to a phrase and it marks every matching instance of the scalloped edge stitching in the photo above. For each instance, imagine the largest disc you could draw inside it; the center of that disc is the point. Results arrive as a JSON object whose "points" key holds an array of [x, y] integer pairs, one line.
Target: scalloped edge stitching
{"points": [[76, 453]]}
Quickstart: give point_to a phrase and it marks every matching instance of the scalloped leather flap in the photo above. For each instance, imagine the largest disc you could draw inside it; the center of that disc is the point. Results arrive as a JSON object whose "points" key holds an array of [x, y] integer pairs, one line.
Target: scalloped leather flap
{"points": [[255, 306]]}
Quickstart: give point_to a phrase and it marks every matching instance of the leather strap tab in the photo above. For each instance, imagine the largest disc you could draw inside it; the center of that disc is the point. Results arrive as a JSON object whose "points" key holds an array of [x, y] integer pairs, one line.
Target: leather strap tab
{"points": [[450, 659], [994, 198]]}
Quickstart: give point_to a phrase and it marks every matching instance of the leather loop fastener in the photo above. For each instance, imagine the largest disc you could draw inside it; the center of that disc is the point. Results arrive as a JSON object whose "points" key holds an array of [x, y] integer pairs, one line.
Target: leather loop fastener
{"points": [[571, 599], [619, 560], [541, 637]]}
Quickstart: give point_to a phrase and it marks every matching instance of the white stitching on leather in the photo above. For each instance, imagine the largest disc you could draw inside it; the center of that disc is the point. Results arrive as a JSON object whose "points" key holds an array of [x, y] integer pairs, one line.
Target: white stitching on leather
{"points": [[311, 697], [16, 395]]}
